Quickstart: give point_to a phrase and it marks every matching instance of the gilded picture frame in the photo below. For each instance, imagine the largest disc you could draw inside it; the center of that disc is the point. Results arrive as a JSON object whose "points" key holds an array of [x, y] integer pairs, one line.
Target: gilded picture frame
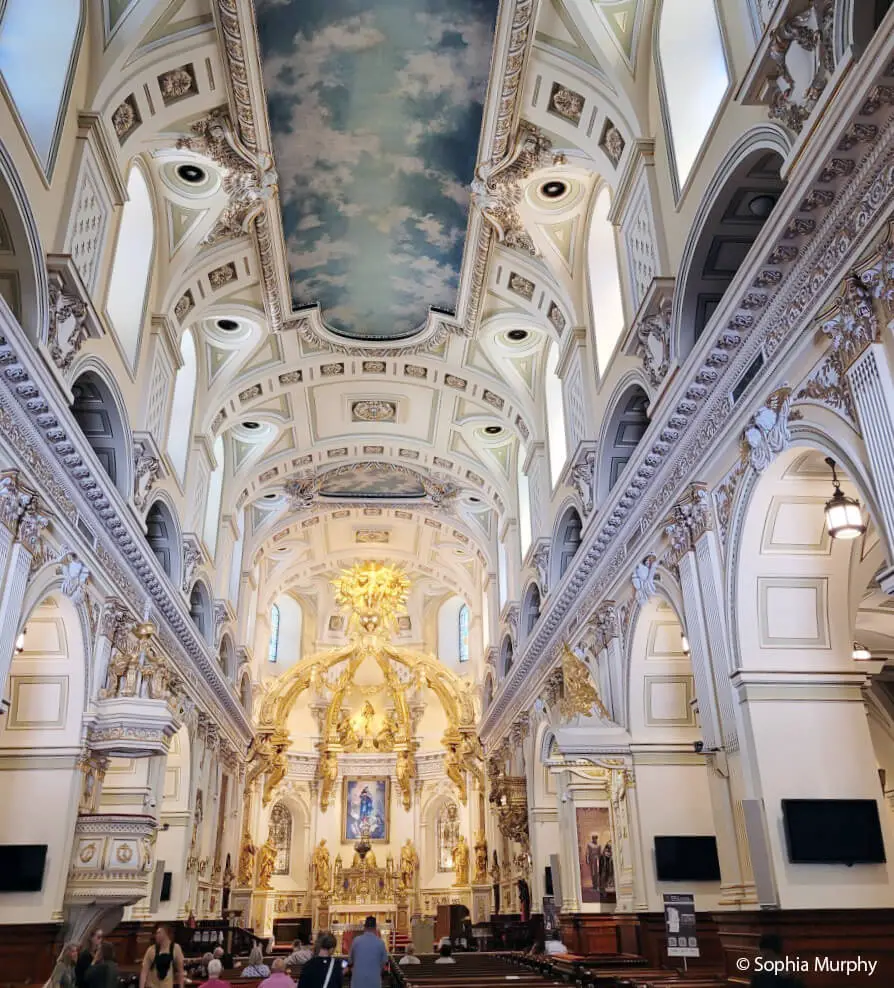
{"points": [[370, 798]]}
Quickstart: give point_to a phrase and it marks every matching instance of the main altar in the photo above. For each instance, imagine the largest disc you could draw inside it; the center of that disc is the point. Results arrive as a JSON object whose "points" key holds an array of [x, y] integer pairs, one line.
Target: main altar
{"points": [[371, 746]]}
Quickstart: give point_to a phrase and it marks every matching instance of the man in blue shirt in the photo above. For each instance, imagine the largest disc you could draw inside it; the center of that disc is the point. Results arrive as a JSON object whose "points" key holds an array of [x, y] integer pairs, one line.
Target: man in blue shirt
{"points": [[368, 957]]}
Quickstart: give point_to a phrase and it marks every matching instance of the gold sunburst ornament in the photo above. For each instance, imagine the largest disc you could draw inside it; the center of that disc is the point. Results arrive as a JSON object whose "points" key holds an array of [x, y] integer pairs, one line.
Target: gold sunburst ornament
{"points": [[374, 593]]}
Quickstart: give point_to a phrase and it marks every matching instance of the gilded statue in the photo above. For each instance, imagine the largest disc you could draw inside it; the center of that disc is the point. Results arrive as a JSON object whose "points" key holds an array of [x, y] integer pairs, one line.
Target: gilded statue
{"points": [[321, 867], [454, 769], [461, 861], [409, 864], [473, 758], [247, 861], [328, 773], [277, 770], [266, 864], [367, 713], [406, 772], [387, 734], [344, 730], [260, 757], [480, 877], [366, 863]]}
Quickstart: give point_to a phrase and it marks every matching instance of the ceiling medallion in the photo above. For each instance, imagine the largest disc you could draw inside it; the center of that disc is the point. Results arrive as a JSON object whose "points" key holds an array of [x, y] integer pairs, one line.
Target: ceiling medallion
{"points": [[374, 593], [374, 410]]}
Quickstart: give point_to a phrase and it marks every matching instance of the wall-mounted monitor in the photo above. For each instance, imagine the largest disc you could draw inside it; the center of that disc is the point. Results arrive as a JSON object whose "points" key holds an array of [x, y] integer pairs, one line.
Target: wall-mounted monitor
{"points": [[22, 867], [833, 831], [687, 858]]}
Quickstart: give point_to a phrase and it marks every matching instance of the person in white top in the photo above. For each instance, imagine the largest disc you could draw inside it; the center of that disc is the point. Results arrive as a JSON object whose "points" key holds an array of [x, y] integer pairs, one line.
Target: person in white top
{"points": [[445, 958], [409, 956]]}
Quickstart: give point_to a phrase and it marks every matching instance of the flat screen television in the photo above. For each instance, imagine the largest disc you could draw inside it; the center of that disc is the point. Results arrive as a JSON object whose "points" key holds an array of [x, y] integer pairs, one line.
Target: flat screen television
{"points": [[22, 867], [686, 858], [833, 831]]}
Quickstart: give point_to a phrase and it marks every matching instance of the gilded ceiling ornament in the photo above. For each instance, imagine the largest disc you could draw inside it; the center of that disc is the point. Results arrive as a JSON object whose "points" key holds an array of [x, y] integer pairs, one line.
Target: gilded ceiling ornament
{"points": [[374, 593]]}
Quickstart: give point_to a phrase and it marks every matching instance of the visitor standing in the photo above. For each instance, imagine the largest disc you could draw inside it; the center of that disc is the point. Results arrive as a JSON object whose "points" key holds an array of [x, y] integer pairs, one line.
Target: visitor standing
{"points": [[368, 957]]}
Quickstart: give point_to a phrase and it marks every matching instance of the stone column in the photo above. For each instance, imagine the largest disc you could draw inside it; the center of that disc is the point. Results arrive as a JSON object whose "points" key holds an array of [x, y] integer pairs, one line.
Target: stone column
{"points": [[695, 549], [22, 523]]}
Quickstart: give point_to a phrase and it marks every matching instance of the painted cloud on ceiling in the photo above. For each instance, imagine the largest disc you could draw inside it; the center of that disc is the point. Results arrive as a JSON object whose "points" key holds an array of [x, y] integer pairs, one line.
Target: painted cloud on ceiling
{"points": [[375, 108]]}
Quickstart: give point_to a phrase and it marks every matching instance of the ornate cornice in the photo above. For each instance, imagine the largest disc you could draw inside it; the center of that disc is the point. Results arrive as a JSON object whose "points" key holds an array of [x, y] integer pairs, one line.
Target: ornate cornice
{"points": [[698, 411], [34, 419]]}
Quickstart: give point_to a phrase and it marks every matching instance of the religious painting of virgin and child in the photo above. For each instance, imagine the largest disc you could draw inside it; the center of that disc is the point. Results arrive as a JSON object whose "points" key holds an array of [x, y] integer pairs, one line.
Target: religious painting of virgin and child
{"points": [[366, 801]]}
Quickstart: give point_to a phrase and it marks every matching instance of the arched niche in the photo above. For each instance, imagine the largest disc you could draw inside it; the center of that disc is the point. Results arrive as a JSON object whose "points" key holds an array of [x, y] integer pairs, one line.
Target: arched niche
{"points": [[47, 689], [530, 612], [227, 656], [627, 425], [200, 609], [566, 542], [100, 419], [245, 694], [506, 656], [742, 197], [801, 599], [163, 536]]}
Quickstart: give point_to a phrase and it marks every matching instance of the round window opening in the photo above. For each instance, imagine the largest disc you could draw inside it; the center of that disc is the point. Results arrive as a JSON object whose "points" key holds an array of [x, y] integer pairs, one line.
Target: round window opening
{"points": [[193, 174]]}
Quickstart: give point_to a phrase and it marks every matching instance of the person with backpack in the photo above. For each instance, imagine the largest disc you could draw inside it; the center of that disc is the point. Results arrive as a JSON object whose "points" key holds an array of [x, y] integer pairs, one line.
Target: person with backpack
{"points": [[163, 964]]}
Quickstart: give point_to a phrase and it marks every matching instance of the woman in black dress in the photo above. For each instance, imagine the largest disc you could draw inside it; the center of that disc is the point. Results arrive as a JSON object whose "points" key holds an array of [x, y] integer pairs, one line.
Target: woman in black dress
{"points": [[322, 970]]}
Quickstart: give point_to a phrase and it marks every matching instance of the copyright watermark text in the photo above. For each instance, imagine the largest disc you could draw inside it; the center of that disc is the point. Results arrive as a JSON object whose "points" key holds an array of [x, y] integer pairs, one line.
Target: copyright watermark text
{"points": [[806, 965]]}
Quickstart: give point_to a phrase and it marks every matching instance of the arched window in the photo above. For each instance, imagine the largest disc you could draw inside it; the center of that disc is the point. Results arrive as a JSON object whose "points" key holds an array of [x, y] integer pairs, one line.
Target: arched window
{"points": [[447, 834], [566, 543], [694, 87], [626, 428], [37, 56], [180, 428], [273, 646], [125, 303], [506, 656], [215, 494], [464, 633], [531, 609], [605, 282], [555, 415], [524, 503], [280, 833]]}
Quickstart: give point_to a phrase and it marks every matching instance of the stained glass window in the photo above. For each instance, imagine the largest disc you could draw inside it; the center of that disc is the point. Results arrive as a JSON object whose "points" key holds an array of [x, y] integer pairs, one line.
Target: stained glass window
{"points": [[464, 633], [281, 835], [448, 835], [273, 648]]}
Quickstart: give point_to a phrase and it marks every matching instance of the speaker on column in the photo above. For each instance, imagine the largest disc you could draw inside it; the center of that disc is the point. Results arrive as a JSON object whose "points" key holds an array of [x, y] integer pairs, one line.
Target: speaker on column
{"points": [[759, 850], [555, 879]]}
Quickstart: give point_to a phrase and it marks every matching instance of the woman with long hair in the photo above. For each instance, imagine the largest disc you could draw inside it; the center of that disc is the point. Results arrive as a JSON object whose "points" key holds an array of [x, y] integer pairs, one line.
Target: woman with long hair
{"points": [[63, 975], [322, 970]]}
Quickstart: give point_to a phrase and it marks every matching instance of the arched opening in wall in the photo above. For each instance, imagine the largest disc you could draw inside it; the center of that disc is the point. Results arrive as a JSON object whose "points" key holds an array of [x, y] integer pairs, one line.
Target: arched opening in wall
{"points": [[506, 656], [22, 270], [46, 688], [488, 695], [245, 697], [286, 625], [856, 23], [626, 427], [172, 844], [182, 405], [692, 89], [97, 414], [566, 543], [211, 527], [227, 656], [659, 705], [809, 610], [733, 223], [200, 609], [161, 534], [38, 43], [530, 613], [605, 282], [132, 266], [555, 415]]}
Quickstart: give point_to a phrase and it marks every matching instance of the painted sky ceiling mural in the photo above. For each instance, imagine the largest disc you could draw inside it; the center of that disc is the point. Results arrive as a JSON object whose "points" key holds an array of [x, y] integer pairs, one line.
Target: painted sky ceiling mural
{"points": [[375, 109]]}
